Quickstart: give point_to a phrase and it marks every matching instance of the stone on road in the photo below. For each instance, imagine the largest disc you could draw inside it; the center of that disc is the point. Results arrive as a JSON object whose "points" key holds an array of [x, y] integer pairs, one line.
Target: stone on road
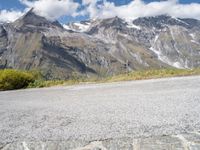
{"points": [[135, 115]]}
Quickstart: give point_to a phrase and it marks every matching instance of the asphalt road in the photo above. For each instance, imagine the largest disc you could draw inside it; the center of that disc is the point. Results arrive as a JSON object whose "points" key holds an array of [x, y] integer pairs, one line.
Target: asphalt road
{"points": [[96, 112]]}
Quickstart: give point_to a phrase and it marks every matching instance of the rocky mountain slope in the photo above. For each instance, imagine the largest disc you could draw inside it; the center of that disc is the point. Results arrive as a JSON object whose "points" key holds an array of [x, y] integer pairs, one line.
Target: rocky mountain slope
{"points": [[173, 41], [99, 47]]}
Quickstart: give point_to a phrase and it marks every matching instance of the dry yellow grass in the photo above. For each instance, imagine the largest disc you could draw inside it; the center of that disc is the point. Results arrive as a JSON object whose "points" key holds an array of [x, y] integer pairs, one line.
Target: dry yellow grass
{"points": [[136, 75], [153, 74]]}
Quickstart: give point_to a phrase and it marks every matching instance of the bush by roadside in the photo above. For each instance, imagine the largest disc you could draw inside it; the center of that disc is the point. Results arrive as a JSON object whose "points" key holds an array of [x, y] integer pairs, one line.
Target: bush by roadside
{"points": [[14, 79]]}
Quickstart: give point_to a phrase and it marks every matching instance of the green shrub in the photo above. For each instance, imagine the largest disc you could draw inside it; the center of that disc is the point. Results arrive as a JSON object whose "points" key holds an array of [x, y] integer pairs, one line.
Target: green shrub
{"points": [[45, 83], [13, 79]]}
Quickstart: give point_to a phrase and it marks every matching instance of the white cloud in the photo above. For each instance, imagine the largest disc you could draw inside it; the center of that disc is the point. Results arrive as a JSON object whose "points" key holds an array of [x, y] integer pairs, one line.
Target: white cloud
{"points": [[53, 9], [138, 8], [86, 2], [9, 16]]}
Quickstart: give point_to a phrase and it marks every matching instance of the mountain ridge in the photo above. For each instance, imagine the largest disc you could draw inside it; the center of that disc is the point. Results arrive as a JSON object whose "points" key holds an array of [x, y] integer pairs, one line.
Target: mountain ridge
{"points": [[99, 47]]}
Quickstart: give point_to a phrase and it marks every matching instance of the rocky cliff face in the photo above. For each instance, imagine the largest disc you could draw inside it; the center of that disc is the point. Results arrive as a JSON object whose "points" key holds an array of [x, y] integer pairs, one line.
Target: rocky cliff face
{"points": [[99, 47], [175, 41], [172, 41]]}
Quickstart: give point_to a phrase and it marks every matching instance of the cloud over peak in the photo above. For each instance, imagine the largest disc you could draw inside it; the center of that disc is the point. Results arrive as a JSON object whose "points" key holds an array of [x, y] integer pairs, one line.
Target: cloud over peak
{"points": [[50, 9], [138, 8], [9, 16], [54, 9]]}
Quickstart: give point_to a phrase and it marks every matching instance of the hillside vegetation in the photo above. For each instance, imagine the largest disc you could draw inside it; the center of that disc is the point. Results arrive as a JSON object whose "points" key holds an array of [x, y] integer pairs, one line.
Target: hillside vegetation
{"points": [[15, 79], [153, 74]]}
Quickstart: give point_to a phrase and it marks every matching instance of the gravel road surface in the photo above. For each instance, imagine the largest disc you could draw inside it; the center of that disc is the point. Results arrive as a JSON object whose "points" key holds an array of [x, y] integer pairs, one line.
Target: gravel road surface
{"points": [[149, 114]]}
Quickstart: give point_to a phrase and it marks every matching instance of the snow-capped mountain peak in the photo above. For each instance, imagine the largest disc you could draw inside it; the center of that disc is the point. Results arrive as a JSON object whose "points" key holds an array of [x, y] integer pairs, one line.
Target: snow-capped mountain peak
{"points": [[82, 26]]}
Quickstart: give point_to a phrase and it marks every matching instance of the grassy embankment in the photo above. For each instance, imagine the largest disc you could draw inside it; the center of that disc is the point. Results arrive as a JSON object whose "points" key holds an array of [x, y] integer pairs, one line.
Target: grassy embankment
{"points": [[15, 79]]}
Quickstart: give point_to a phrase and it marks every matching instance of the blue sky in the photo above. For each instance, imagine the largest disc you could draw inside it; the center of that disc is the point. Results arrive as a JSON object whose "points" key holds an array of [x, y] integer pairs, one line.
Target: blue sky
{"points": [[13, 5]]}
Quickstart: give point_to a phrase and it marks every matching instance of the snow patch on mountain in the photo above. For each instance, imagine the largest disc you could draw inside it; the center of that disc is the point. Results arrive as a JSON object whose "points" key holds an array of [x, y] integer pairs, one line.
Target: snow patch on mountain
{"points": [[82, 27], [193, 40], [166, 60], [78, 26], [179, 20], [66, 27], [131, 25]]}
